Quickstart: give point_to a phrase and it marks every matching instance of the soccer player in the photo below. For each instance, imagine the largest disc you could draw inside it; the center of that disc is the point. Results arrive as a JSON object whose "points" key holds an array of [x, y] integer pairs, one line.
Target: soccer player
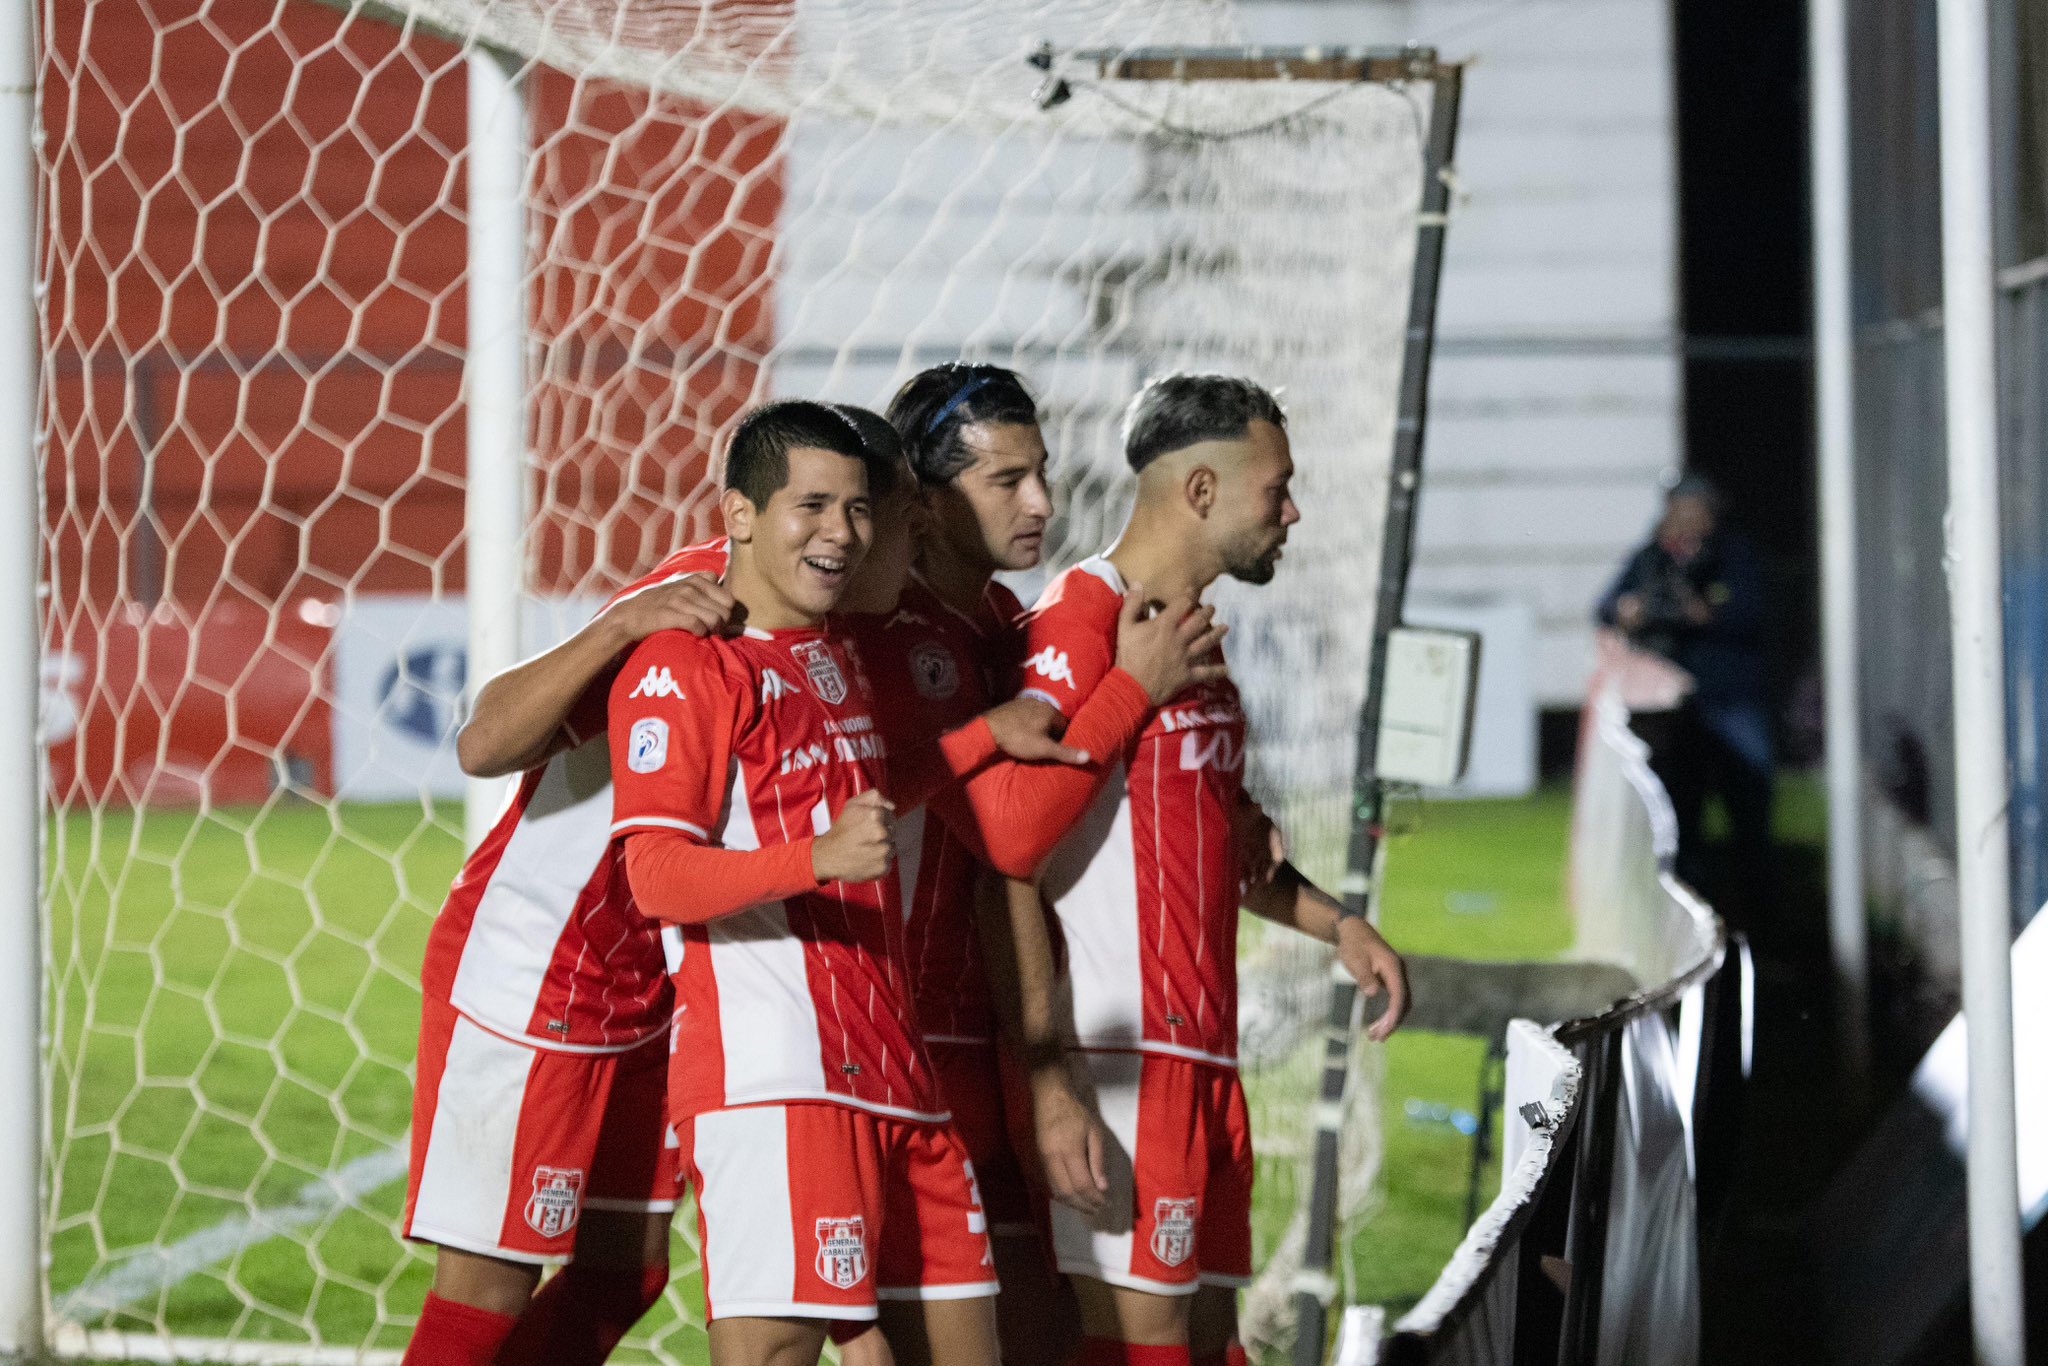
{"points": [[750, 779], [537, 1116], [1146, 889], [972, 435]]}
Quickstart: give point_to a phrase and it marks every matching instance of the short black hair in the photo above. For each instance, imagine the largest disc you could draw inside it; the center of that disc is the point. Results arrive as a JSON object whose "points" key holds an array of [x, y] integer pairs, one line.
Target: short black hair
{"points": [[884, 447], [757, 458], [1174, 412], [934, 406]]}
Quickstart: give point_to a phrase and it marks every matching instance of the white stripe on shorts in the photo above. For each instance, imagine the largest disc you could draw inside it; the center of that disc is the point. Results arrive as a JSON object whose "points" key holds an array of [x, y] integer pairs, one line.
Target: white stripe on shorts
{"points": [[749, 1241], [466, 1176], [1079, 1247]]}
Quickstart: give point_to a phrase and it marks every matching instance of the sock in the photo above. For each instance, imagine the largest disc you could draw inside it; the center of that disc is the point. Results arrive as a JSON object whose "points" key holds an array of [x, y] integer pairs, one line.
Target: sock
{"points": [[454, 1334], [1233, 1355], [1110, 1352], [581, 1313]]}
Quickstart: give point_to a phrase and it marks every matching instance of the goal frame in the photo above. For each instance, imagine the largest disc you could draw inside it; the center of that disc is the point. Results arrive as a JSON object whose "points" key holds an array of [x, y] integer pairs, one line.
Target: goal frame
{"points": [[496, 370]]}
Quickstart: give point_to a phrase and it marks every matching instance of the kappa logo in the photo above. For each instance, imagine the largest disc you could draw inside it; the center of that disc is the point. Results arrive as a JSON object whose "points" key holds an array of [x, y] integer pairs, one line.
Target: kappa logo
{"points": [[821, 670], [556, 1200], [774, 686], [934, 670], [657, 682], [647, 745], [843, 1251], [1051, 665], [1173, 1230]]}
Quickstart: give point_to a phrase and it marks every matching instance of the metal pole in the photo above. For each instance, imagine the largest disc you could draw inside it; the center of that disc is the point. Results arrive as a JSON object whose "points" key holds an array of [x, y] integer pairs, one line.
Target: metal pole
{"points": [[494, 390], [1983, 869], [21, 804], [1835, 437], [1316, 1283]]}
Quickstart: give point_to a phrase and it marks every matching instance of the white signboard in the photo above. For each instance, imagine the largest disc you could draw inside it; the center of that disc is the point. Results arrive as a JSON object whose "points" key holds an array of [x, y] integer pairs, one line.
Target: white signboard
{"points": [[400, 671]]}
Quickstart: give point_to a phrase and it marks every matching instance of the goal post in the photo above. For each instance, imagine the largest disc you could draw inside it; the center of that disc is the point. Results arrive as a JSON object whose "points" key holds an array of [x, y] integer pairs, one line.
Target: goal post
{"points": [[381, 337], [494, 388], [21, 760]]}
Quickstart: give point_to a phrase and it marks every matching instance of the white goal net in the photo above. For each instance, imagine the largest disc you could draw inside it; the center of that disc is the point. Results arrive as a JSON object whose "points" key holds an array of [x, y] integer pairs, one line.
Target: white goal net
{"points": [[252, 276]]}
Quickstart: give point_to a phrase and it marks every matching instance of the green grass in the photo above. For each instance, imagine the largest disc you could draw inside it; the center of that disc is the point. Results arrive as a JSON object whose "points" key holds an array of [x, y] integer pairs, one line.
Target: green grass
{"points": [[234, 1014], [1479, 879]]}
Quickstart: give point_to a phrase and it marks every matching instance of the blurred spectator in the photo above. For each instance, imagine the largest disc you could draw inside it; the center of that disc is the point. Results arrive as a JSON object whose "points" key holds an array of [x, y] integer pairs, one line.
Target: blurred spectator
{"points": [[1694, 595]]}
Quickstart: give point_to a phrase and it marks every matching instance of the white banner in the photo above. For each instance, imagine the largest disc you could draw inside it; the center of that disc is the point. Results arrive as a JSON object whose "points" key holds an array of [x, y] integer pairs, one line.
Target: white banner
{"points": [[401, 665]]}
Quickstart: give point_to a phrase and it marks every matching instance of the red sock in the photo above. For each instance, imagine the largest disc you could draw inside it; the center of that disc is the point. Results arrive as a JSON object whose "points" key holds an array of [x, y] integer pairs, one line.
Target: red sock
{"points": [[455, 1334], [1233, 1355], [580, 1315], [1110, 1352]]}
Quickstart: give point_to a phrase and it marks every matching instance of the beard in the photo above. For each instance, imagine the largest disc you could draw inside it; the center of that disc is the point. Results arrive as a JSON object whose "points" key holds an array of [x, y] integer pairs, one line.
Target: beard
{"points": [[1254, 564]]}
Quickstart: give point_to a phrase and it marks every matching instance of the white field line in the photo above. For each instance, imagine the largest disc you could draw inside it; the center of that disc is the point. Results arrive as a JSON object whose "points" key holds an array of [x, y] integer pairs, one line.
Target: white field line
{"points": [[72, 1341], [152, 1271]]}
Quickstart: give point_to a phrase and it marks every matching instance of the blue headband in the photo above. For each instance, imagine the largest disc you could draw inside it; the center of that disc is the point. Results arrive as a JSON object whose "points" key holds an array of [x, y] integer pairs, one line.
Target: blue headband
{"points": [[967, 391]]}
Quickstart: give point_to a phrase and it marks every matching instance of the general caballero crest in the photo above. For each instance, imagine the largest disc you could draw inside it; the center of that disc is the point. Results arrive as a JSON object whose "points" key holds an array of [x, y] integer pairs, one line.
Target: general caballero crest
{"points": [[822, 670], [842, 1251], [934, 670], [556, 1200], [1173, 1230]]}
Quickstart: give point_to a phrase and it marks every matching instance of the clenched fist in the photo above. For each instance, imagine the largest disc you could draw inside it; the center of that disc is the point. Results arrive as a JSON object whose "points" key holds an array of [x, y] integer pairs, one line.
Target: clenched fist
{"points": [[861, 843]]}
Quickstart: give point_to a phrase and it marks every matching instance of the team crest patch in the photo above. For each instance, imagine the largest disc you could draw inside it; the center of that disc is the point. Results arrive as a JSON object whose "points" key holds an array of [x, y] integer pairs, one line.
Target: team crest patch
{"points": [[822, 671], [1173, 1230], [934, 670], [843, 1251], [556, 1200]]}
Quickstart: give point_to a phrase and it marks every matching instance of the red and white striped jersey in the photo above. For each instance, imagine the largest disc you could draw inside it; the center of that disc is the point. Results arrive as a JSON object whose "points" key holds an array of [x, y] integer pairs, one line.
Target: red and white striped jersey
{"points": [[1146, 884], [935, 668], [539, 938], [750, 743]]}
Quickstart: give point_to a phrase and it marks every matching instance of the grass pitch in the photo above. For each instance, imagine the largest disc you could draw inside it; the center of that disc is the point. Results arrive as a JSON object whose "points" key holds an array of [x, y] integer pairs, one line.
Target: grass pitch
{"points": [[234, 1010]]}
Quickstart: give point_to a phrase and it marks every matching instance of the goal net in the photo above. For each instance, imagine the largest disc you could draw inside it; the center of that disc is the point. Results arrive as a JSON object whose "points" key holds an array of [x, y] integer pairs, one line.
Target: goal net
{"points": [[252, 444]]}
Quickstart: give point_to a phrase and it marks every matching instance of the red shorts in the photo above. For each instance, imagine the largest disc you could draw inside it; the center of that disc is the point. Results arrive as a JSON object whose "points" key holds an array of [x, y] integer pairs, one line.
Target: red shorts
{"points": [[512, 1142], [1180, 1196], [987, 1113], [816, 1210]]}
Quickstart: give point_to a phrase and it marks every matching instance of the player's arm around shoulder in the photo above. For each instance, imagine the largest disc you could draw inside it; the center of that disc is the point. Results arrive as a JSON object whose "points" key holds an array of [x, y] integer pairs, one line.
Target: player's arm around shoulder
{"points": [[532, 711]]}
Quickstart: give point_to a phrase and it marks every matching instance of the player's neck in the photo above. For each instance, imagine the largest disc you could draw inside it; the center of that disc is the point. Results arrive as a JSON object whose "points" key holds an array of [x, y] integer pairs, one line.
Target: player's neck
{"points": [[767, 608], [959, 581], [1157, 556]]}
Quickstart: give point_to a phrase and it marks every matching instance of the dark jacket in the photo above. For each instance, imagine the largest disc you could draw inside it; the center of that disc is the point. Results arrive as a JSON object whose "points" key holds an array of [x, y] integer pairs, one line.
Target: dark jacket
{"points": [[1725, 656]]}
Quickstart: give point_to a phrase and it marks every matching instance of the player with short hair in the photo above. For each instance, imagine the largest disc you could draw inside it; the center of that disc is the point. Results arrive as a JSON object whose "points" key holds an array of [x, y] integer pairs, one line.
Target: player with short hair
{"points": [[539, 1115], [1146, 888], [537, 1135], [750, 782]]}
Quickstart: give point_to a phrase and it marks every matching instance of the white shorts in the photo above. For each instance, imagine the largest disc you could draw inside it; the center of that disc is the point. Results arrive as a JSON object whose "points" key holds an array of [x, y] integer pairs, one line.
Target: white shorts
{"points": [[1179, 1214], [511, 1142], [815, 1210]]}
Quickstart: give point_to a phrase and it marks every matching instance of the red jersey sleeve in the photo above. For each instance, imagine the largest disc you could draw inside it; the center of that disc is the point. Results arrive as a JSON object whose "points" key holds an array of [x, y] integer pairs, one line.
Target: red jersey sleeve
{"points": [[1011, 815], [1068, 644], [674, 878], [677, 710]]}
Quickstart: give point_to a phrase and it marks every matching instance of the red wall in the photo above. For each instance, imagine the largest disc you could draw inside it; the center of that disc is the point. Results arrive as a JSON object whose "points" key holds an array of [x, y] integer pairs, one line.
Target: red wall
{"points": [[255, 243]]}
